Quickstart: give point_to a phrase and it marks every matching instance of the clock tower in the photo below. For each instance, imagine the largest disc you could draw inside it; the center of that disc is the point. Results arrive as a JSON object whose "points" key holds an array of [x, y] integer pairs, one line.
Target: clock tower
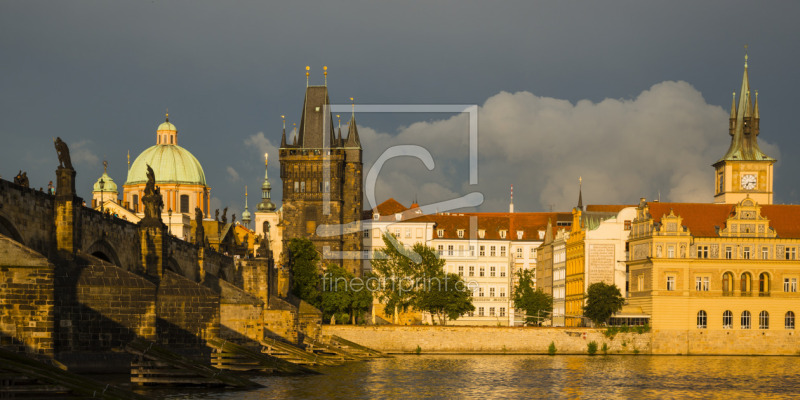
{"points": [[744, 171]]}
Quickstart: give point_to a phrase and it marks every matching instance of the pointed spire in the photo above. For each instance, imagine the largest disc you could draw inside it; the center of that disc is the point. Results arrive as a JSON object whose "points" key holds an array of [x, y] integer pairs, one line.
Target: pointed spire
{"points": [[246, 213], [733, 106], [755, 108], [266, 201], [283, 135], [580, 193], [352, 135], [308, 68], [511, 203], [325, 68]]}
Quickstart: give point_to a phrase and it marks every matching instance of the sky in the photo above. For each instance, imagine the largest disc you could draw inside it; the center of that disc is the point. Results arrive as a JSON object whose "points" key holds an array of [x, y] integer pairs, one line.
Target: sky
{"points": [[633, 97]]}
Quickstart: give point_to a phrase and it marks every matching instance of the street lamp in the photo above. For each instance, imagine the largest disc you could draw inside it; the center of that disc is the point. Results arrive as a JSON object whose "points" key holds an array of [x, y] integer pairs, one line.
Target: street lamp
{"points": [[169, 225], [102, 185]]}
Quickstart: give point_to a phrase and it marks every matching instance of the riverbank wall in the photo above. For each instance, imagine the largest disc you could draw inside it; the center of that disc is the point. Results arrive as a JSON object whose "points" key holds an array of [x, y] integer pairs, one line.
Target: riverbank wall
{"points": [[532, 340], [488, 340]]}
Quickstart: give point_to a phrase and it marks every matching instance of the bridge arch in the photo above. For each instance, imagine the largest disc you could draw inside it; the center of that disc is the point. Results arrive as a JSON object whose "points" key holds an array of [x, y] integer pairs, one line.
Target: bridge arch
{"points": [[8, 229], [172, 265], [104, 251]]}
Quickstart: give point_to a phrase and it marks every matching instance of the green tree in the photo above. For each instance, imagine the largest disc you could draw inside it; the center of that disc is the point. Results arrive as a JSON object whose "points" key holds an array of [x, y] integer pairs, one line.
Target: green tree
{"points": [[303, 264], [602, 301], [392, 265], [535, 302], [444, 296], [343, 293]]}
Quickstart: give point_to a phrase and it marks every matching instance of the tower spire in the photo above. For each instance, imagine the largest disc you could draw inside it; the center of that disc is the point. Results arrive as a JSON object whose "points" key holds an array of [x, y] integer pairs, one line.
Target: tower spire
{"points": [[246, 213], [266, 201], [511, 203], [308, 68], [325, 69], [283, 135], [580, 193]]}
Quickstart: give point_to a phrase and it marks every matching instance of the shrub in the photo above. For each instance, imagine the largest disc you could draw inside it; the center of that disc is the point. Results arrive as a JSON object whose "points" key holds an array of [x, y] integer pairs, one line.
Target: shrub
{"points": [[551, 349], [591, 347], [605, 348], [418, 350]]}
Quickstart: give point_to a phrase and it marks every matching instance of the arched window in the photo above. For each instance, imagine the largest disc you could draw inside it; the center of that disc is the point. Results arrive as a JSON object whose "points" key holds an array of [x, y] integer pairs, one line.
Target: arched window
{"points": [[745, 320], [763, 284], [763, 320], [135, 203], [702, 320], [746, 284], [727, 320], [727, 284], [789, 320]]}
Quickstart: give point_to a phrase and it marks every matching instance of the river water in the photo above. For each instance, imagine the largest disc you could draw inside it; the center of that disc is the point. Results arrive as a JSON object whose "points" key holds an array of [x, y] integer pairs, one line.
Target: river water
{"points": [[535, 376]]}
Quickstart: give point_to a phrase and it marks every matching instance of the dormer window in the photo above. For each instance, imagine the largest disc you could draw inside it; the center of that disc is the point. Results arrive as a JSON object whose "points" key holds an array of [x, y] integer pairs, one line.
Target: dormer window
{"points": [[481, 233], [440, 232], [502, 234], [398, 217], [541, 235], [460, 233], [376, 216], [519, 235]]}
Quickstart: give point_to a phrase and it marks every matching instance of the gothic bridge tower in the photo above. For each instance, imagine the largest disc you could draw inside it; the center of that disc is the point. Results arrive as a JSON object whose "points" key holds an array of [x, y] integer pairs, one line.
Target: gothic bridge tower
{"points": [[744, 170], [322, 183]]}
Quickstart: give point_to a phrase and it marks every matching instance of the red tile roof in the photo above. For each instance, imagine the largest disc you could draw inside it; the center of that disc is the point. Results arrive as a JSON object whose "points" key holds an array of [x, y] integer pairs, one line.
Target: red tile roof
{"points": [[702, 219], [390, 207], [607, 207]]}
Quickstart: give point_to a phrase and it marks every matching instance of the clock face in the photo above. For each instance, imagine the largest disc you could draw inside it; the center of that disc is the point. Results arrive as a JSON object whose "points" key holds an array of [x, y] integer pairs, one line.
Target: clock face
{"points": [[748, 182]]}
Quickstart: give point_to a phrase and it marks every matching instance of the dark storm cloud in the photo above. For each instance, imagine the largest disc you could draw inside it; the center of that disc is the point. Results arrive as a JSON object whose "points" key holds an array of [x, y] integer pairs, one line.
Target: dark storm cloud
{"points": [[101, 74]]}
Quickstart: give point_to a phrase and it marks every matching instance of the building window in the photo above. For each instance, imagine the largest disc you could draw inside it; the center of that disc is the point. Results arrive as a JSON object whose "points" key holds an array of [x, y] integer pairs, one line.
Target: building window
{"points": [[702, 320], [481, 233], [640, 283], [460, 270], [136, 203], [480, 311], [460, 233], [789, 320], [440, 249], [670, 283], [790, 285], [492, 251], [296, 186], [502, 292], [502, 234], [701, 283], [502, 272], [746, 284], [480, 292], [519, 235], [366, 233], [791, 253], [408, 233], [627, 224], [763, 320], [502, 311], [728, 253], [746, 253], [745, 320], [492, 271], [491, 311], [502, 251], [184, 203], [440, 232], [302, 187], [482, 251], [763, 284], [727, 284], [397, 233], [702, 251], [471, 270], [491, 292], [670, 251], [483, 271], [727, 320], [764, 253], [472, 251], [519, 252], [327, 188], [533, 252], [450, 250]]}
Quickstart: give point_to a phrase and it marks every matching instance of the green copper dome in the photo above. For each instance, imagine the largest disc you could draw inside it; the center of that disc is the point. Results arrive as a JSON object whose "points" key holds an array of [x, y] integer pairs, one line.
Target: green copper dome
{"points": [[166, 126], [171, 164], [108, 184]]}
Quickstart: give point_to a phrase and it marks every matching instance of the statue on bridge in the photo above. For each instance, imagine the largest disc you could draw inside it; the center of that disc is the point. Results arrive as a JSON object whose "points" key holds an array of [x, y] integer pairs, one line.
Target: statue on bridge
{"points": [[199, 230], [264, 250], [153, 203], [64, 160], [216, 215], [225, 216], [22, 179]]}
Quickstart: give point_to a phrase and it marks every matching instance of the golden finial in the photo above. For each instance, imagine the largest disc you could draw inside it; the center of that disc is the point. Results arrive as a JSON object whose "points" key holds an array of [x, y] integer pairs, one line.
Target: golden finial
{"points": [[129, 160], [580, 180], [325, 68], [266, 159], [167, 114], [354, 106], [308, 68], [283, 117], [745, 56], [245, 191], [105, 166]]}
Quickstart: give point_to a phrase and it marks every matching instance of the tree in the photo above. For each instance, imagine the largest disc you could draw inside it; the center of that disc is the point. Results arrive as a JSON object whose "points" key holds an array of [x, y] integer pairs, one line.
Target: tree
{"points": [[343, 293], [603, 300], [415, 277], [303, 260], [535, 302]]}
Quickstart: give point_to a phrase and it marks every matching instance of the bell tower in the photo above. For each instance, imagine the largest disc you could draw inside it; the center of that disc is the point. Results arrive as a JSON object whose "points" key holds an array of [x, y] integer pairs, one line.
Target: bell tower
{"points": [[744, 171]]}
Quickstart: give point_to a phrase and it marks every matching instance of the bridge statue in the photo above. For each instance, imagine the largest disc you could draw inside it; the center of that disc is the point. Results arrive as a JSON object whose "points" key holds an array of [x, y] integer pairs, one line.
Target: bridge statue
{"points": [[64, 160], [225, 216], [199, 230], [153, 203], [264, 248]]}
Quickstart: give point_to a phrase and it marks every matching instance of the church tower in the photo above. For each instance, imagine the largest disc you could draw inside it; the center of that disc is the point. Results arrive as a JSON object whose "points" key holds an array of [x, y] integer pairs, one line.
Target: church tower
{"points": [[744, 171], [322, 183]]}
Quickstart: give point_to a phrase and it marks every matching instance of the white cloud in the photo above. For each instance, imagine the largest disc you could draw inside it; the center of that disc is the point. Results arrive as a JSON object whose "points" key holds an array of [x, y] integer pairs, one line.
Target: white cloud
{"points": [[663, 141], [232, 174], [263, 145], [80, 153]]}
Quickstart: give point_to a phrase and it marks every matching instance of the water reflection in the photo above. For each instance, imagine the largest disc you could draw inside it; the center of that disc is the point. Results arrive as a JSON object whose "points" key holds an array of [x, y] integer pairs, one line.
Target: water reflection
{"points": [[507, 376]]}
